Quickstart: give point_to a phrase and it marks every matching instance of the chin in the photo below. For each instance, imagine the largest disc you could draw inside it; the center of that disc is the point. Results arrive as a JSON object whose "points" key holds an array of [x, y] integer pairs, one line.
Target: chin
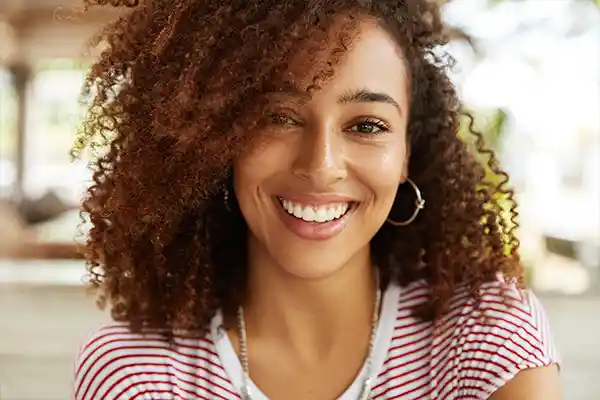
{"points": [[310, 261]]}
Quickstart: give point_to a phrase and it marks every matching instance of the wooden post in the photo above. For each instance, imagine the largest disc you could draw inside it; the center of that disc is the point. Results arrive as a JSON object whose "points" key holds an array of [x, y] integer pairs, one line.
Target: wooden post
{"points": [[21, 76]]}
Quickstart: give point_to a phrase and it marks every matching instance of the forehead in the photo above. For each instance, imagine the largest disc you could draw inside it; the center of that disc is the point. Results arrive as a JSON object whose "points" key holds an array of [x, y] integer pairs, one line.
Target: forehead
{"points": [[372, 61]]}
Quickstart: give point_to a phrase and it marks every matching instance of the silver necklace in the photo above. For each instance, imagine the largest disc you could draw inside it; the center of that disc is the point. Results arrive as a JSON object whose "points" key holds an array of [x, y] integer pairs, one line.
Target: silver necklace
{"points": [[367, 383]]}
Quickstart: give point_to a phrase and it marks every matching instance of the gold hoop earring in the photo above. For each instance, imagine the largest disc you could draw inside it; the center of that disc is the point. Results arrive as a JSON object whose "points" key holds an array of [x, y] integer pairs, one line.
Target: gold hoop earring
{"points": [[419, 205]]}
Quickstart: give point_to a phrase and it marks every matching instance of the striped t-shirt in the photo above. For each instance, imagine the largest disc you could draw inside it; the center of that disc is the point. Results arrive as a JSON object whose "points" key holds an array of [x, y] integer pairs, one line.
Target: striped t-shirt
{"points": [[468, 354]]}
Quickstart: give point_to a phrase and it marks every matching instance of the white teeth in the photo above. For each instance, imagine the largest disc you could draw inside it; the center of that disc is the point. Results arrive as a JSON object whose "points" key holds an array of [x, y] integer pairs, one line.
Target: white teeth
{"points": [[324, 213], [297, 210]]}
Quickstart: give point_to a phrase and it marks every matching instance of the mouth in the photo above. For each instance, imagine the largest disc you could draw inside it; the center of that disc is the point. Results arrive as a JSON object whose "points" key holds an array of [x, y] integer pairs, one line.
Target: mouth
{"points": [[316, 214]]}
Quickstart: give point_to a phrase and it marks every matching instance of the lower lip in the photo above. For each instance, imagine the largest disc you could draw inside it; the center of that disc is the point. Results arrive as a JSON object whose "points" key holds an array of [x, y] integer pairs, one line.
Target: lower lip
{"points": [[313, 230]]}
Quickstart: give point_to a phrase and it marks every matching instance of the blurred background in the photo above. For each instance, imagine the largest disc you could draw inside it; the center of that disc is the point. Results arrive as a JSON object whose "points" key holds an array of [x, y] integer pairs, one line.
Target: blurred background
{"points": [[529, 70]]}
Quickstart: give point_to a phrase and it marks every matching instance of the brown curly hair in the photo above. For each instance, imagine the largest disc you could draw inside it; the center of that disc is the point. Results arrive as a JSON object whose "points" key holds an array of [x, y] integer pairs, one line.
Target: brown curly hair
{"points": [[177, 94]]}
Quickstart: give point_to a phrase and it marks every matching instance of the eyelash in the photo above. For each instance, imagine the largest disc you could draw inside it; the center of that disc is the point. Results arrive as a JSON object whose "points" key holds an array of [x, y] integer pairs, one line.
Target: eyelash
{"points": [[379, 124], [280, 119]]}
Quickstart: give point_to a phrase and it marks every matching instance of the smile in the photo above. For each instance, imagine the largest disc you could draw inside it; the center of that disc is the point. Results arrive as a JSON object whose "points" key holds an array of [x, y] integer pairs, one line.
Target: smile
{"points": [[311, 213]]}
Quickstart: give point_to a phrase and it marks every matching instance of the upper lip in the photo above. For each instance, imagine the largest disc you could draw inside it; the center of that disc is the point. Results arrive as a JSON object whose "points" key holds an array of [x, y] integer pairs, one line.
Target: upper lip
{"points": [[316, 199]]}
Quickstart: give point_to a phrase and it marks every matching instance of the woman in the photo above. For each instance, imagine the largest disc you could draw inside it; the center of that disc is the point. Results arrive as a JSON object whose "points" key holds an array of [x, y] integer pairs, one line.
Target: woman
{"points": [[286, 212]]}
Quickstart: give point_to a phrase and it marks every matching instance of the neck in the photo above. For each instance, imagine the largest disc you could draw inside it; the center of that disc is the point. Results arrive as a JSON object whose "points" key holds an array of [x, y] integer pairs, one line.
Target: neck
{"points": [[309, 316]]}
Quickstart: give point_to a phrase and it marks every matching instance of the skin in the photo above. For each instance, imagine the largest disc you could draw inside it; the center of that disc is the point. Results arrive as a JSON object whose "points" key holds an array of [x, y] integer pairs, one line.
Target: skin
{"points": [[533, 384], [298, 315]]}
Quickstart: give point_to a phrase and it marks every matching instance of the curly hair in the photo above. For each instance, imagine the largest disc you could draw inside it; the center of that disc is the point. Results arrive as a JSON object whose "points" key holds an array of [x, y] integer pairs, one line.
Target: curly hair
{"points": [[178, 93]]}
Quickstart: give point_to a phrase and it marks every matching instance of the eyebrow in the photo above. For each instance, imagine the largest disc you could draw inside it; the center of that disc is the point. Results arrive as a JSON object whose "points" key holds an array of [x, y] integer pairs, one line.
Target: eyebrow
{"points": [[367, 96]]}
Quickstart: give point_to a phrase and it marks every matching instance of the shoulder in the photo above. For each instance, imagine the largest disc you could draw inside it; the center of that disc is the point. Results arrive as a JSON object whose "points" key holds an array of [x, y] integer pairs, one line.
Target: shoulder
{"points": [[115, 363], [478, 348]]}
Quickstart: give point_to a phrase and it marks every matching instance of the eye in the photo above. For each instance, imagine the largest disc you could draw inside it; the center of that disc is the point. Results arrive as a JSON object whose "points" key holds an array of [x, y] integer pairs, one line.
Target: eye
{"points": [[282, 119], [370, 127]]}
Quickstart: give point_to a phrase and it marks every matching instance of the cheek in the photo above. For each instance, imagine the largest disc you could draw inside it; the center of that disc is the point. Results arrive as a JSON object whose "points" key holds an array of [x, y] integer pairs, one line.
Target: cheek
{"points": [[255, 168], [383, 171], [247, 174]]}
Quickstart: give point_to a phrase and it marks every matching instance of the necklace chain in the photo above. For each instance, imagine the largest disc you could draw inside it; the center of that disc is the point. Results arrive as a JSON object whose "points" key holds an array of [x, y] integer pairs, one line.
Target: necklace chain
{"points": [[367, 382]]}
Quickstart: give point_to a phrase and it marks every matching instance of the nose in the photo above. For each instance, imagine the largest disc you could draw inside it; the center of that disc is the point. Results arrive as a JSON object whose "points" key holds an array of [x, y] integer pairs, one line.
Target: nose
{"points": [[320, 158]]}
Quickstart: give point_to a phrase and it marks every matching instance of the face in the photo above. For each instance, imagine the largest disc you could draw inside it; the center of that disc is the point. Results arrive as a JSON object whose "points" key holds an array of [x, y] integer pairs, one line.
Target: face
{"points": [[322, 184]]}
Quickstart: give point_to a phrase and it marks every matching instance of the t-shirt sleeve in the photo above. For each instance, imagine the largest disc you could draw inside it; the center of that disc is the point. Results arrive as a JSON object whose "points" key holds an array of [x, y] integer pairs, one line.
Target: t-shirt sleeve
{"points": [[490, 352], [105, 368]]}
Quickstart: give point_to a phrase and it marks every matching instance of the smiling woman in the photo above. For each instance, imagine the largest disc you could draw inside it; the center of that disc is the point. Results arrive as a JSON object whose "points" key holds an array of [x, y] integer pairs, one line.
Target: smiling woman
{"points": [[286, 212]]}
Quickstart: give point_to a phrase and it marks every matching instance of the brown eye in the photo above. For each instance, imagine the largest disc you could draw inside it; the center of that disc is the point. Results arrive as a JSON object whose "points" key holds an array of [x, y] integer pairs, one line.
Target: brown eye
{"points": [[281, 119], [365, 127], [369, 127]]}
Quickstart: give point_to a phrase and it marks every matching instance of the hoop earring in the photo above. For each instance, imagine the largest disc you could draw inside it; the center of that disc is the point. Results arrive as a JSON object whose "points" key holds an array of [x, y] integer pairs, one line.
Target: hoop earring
{"points": [[419, 205], [226, 199]]}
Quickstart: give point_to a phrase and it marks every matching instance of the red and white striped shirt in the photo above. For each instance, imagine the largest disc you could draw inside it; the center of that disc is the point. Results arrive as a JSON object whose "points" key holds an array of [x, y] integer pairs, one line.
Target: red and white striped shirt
{"points": [[469, 354]]}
